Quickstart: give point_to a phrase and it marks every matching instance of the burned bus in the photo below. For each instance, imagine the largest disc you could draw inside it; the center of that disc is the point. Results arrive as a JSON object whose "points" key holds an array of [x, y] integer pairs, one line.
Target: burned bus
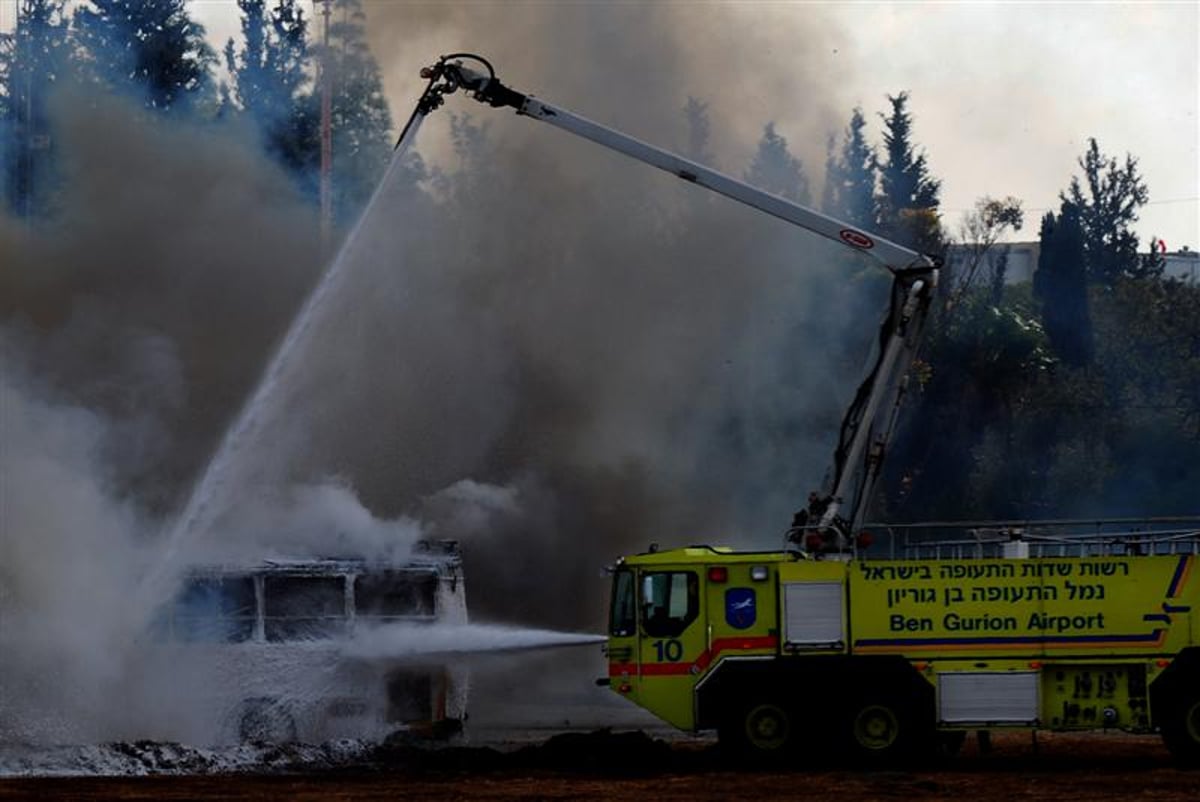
{"points": [[263, 648]]}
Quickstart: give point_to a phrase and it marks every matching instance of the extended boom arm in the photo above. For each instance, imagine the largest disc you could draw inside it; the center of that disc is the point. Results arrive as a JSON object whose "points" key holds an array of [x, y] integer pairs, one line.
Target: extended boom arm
{"points": [[830, 520]]}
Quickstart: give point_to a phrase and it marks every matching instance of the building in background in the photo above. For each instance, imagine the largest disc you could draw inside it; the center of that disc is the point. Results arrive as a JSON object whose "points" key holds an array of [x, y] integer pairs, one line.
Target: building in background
{"points": [[1022, 259]]}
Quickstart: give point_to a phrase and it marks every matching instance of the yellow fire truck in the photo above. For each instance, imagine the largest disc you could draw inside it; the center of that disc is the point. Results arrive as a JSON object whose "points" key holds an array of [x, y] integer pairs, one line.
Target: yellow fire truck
{"points": [[895, 657], [775, 650]]}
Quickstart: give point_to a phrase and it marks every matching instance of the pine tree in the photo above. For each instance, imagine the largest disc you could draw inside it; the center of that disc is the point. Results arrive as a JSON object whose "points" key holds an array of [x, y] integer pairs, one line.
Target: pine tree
{"points": [[150, 49], [1107, 209], [908, 201], [248, 69], [776, 170], [34, 58], [850, 178], [362, 140], [268, 75], [1060, 284]]}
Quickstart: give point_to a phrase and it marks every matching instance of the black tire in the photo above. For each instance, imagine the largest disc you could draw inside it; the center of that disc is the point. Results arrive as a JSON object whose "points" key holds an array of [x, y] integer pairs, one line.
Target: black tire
{"points": [[266, 720], [759, 730], [1180, 726], [883, 730]]}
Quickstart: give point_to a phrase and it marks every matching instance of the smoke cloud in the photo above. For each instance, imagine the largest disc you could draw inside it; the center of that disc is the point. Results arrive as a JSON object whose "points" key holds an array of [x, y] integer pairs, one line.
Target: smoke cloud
{"points": [[67, 555], [130, 328], [633, 360], [546, 352]]}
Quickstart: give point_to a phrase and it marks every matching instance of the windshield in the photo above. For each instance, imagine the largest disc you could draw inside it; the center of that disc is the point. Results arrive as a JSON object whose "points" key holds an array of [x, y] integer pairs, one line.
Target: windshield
{"points": [[623, 614]]}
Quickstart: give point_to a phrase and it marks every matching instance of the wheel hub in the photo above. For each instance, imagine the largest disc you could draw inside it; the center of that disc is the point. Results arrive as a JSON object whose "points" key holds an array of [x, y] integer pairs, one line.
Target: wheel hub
{"points": [[767, 727], [876, 727]]}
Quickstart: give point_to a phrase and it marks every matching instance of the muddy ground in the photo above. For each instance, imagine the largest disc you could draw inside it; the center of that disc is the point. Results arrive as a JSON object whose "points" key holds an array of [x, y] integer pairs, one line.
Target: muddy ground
{"points": [[573, 740], [634, 765]]}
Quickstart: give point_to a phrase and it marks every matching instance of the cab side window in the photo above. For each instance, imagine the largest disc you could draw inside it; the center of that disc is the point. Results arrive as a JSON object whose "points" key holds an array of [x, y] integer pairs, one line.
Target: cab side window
{"points": [[670, 602]]}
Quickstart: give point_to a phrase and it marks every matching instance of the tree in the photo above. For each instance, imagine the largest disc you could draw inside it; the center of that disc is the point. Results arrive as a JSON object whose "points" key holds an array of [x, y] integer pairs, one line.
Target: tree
{"points": [[248, 70], [980, 231], [695, 114], [362, 140], [978, 364], [1107, 208], [776, 170], [1152, 263], [34, 58], [1060, 284], [268, 75], [149, 48], [850, 178], [908, 201], [475, 175]]}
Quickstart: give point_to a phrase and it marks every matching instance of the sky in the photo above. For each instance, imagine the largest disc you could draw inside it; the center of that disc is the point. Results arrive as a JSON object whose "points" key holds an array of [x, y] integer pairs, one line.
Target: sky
{"points": [[1004, 95]]}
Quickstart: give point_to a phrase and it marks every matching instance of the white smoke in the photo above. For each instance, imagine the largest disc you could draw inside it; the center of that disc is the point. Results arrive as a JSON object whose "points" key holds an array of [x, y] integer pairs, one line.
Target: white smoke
{"points": [[129, 330], [74, 607], [471, 508], [307, 520], [70, 557]]}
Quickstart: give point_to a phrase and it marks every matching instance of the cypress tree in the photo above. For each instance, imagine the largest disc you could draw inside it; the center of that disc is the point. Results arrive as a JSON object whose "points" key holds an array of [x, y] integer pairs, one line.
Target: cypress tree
{"points": [[776, 170], [851, 177], [1060, 285]]}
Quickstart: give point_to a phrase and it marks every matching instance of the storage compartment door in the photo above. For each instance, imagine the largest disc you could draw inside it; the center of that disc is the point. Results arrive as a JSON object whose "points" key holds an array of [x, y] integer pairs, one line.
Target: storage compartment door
{"points": [[988, 697], [813, 615]]}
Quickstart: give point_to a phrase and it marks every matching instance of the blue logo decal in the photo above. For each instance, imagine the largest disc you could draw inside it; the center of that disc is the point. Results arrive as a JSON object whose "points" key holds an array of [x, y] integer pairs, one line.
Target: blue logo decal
{"points": [[740, 611]]}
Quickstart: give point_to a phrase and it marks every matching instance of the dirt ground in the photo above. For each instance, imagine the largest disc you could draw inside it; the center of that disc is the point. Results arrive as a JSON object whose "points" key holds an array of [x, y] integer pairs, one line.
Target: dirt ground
{"points": [[632, 766]]}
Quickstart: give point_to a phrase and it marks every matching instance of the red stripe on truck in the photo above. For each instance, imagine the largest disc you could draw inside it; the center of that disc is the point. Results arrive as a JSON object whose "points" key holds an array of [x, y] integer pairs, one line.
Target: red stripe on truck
{"points": [[700, 664]]}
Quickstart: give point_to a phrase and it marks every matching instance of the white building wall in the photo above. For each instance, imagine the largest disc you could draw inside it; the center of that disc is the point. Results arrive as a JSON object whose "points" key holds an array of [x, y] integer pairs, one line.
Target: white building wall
{"points": [[1023, 258], [1183, 264]]}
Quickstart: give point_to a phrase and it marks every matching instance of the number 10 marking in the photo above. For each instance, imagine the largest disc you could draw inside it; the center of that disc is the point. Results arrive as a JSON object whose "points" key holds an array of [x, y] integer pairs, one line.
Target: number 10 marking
{"points": [[670, 651]]}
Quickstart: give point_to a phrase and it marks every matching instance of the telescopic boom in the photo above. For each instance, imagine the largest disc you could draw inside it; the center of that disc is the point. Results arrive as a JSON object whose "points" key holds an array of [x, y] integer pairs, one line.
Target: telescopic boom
{"points": [[831, 518]]}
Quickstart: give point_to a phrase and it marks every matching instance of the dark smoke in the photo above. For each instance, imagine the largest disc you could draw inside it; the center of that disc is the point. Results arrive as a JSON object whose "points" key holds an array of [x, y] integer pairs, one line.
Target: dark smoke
{"points": [[176, 258], [130, 325], [624, 358], [545, 351]]}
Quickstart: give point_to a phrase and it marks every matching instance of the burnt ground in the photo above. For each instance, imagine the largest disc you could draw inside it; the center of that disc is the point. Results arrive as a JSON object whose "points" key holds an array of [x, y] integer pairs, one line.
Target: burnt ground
{"points": [[631, 765]]}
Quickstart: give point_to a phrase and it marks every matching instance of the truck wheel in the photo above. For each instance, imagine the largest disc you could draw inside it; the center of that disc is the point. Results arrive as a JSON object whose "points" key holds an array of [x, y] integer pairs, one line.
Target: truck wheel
{"points": [[759, 730], [882, 730], [1181, 729]]}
